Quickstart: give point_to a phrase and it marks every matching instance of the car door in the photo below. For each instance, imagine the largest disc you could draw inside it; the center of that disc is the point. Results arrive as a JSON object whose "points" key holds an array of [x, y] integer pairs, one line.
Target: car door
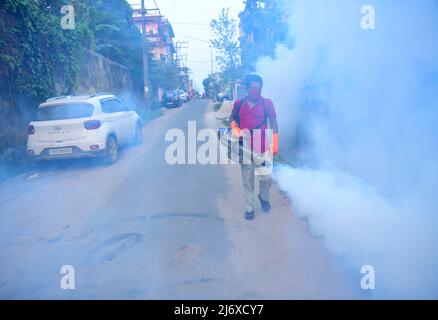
{"points": [[115, 117], [128, 120], [132, 120]]}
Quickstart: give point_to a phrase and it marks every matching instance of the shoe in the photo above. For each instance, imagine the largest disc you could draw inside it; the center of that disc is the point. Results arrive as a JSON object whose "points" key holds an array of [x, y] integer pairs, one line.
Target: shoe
{"points": [[249, 215], [265, 205]]}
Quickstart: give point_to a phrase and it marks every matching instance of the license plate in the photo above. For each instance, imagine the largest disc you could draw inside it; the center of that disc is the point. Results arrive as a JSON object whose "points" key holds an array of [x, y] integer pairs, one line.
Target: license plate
{"points": [[60, 151]]}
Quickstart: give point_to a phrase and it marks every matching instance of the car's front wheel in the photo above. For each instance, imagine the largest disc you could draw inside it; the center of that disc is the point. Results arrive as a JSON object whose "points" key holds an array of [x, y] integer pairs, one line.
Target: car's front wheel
{"points": [[112, 150]]}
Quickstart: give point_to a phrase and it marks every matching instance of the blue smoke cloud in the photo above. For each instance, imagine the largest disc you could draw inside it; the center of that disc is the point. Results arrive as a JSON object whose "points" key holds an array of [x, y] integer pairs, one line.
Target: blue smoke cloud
{"points": [[358, 115]]}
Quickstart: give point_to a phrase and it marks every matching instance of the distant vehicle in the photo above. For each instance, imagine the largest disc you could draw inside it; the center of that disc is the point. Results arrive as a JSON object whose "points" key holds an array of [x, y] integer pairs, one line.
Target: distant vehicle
{"points": [[171, 99], [183, 96], [82, 126]]}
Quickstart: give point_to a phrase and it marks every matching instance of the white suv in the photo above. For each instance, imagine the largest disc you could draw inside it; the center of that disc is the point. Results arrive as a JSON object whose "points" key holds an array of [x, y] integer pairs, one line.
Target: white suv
{"points": [[82, 126]]}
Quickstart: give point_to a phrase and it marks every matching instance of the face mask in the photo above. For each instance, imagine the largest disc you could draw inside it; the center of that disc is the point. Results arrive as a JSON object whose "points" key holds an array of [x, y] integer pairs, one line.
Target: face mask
{"points": [[254, 94]]}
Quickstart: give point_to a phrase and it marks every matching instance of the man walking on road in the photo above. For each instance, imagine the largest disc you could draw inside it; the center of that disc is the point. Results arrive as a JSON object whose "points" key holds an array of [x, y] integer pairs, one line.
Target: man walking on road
{"points": [[250, 114]]}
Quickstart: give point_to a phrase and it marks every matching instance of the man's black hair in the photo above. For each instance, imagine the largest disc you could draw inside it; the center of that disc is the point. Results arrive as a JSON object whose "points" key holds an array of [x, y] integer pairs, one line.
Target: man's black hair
{"points": [[253, 78]]}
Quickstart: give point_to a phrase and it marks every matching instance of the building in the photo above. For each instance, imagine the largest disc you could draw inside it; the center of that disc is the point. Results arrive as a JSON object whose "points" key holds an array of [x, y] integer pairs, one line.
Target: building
{"points": [[158, 45], [158, 34]]}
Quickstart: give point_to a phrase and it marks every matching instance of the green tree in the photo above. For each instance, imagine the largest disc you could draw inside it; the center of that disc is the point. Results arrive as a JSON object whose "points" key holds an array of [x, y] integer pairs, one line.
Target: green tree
{"points": [[163, 75], [211, 86], [39, 59], [35, 50], [226, 42], [264, 25], [115, 35]]}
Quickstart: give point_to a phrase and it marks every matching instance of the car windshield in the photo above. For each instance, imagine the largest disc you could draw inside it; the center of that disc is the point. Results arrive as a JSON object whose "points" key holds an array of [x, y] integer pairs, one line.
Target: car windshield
{"points": [[65, 111], [170, 94]]}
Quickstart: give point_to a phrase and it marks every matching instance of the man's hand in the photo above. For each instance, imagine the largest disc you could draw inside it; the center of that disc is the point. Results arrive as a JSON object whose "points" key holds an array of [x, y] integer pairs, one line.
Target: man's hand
{"points": [[235, 130], [274, 146]]}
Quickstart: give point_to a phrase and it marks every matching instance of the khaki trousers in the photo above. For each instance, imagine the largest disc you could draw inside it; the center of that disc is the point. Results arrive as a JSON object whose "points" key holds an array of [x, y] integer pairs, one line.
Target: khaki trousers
{"points": [[248, 177]]}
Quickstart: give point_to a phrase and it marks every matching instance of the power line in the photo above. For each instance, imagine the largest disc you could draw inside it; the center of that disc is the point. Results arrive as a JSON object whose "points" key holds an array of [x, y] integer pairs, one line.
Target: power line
{"points": [[198, 61], [191, 23], [156, 6], [193, 38]]}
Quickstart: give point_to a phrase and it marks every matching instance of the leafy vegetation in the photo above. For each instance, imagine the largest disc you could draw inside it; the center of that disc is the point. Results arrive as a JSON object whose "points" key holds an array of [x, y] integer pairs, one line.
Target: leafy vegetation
{"points": [[226, 42], [39, 59], [115, 36], [163, 74], [35, 51], [264, 25]]}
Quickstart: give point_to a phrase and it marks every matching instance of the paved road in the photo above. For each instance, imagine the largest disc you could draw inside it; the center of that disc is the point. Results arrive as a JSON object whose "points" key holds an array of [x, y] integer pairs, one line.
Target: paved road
{"points": [[143, 229]]}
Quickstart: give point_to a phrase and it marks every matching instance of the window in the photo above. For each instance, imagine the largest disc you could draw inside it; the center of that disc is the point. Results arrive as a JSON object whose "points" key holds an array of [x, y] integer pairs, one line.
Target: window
{"points": [[112, 106], [65, 111]]}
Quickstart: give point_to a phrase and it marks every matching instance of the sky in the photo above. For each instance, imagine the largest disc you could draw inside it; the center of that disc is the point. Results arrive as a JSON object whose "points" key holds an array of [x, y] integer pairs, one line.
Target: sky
{"points": [[190, 20]]}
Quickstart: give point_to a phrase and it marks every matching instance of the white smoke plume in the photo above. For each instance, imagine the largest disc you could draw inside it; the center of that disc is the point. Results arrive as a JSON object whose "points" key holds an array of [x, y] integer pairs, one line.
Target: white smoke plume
{"points": [[358, 116]]}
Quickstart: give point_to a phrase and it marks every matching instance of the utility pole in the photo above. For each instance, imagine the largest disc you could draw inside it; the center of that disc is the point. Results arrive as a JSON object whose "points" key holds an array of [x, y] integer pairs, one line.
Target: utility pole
{"points": [[179, 46], [179, 57], [146, 83]]}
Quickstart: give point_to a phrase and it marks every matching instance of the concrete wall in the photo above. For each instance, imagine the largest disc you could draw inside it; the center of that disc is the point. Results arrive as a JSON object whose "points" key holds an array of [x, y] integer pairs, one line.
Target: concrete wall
{"points": [[99, 74]]}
